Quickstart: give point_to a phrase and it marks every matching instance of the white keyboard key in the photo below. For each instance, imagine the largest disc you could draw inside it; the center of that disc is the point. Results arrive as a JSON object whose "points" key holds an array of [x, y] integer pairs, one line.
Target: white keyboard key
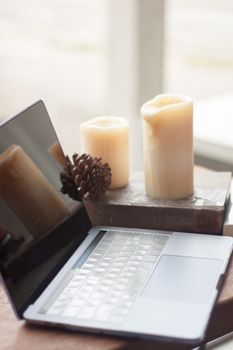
{"points": [[111, 275], [103, 288], [89, 265], [150, 258], [133, 263], [98, 295], [74, 284], [130, 296], [115, 294], [77, 302], [78, 277], [128, 249], [121, 259], [136, 258], [54, 311], [70, 311], [111, 254], [94, 277], [123, 281], [124, 254], [99, 270], [70, 291], [143, 246], [107, 282], [119, 287], [107, 259], [120, 240], [104, 265], [94, 302], [64, 298], [117, 264], [60, 303], [92, 260], [147, 239], [82, 295], [139, 252], [84, 271], [115, 270], [87, 288], [126, 274], [103, 312], [111, 300], [130, 269], [86, 312], [91, 281]]}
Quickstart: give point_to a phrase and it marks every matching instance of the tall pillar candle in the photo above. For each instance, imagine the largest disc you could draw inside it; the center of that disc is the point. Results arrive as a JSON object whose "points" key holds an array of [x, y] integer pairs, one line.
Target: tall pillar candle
{"points": [[28, 192], [168, 146], [107, 137]]}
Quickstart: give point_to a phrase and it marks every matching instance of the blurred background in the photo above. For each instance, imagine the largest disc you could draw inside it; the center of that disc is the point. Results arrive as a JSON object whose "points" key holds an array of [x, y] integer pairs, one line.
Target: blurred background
{"points": [[93, 57]]}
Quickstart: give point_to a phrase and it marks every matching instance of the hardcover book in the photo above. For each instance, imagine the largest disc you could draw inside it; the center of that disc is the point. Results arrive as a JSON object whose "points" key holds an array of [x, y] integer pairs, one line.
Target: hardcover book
{"points": [[203, 212]]}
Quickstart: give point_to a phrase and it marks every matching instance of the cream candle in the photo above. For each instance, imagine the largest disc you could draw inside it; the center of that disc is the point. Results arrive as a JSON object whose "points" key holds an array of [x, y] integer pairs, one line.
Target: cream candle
{"points": [[107, 137], [28, 192], [168, 146], [56, 152]]}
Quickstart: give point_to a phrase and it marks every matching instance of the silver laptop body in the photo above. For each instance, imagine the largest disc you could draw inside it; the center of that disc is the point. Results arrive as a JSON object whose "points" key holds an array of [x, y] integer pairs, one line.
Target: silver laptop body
{"points": [[133, 282], [137, 282]]}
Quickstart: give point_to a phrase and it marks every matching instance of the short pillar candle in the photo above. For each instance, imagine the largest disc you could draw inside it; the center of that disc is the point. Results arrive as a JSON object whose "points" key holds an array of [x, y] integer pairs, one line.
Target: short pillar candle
{"points": [[57, 153], [107, 137], [168, 146]]}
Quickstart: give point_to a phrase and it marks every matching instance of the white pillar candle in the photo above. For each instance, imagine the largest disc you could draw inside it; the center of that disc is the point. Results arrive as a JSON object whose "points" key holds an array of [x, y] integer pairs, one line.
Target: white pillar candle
{"points": [[107, 137], [168, 146]]}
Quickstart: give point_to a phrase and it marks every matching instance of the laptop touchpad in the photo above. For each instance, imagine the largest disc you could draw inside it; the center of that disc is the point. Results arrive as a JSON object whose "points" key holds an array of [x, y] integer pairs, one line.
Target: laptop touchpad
{"points": [[183, 279]]}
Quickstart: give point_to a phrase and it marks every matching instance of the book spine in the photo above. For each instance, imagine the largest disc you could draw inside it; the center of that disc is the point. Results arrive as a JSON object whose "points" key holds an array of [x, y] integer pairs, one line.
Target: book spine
{"points": [[181, 220]]}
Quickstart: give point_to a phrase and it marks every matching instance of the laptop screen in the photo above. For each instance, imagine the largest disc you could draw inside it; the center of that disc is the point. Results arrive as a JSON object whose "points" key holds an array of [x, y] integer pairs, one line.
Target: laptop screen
{"points": [[39, 226]]}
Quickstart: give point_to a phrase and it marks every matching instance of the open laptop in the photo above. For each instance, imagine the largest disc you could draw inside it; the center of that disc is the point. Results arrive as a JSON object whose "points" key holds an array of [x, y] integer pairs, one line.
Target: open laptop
{"points": [[63, 272]]}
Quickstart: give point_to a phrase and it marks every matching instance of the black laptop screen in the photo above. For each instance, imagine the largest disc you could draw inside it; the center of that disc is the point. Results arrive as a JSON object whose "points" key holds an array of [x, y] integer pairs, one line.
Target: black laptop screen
{"points": [[38, 224]]}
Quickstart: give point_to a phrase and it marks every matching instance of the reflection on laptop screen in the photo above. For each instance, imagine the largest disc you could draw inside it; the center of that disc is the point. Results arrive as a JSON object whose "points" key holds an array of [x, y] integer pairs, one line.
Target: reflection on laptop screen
{"points": [[31, 204], [30, 201]]}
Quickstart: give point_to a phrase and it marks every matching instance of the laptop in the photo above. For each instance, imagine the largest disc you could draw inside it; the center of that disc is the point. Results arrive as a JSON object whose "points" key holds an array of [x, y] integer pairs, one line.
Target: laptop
{"points": [[60, 271]]}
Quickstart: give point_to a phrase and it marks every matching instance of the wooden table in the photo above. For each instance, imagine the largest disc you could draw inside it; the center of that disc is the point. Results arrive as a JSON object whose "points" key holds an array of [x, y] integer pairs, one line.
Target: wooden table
{"points": [[16, 334]]}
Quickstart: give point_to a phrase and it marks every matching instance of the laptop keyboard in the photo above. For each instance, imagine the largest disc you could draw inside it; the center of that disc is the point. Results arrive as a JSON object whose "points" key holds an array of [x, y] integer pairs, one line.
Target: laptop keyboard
{"points": [[107, 284]]}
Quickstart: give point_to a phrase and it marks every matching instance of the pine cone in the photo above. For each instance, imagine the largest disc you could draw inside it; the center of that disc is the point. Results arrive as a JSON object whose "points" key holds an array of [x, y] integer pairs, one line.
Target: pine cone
{"points": [[91, 178], [68, 184]]}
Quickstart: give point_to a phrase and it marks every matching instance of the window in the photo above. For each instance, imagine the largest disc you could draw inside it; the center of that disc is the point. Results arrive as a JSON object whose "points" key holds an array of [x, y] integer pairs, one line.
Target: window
{"points": [[199, 62], [54, 50], [86, 58], [198, 47]]}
